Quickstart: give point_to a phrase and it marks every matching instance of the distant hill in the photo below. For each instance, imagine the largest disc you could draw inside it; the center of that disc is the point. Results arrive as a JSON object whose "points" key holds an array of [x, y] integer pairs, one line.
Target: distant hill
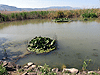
{"points": [[13, 8]]}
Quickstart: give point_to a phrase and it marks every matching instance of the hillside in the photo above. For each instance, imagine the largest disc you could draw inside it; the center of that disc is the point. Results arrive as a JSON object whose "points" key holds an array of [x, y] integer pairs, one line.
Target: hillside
{"points": [[13, 8]]}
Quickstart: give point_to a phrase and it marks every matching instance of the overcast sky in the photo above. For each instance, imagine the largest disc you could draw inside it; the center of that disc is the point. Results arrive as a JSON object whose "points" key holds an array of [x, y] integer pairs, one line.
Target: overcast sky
{"points": [[48, 3]]}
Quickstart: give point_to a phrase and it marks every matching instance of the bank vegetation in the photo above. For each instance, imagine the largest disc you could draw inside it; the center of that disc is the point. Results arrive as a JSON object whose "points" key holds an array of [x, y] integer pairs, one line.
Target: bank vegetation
{"points": [[83, 13]]}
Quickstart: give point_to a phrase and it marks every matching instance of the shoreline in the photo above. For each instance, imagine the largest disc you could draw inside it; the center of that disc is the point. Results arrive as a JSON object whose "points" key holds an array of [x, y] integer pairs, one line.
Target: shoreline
{"points": [[33, 69]]}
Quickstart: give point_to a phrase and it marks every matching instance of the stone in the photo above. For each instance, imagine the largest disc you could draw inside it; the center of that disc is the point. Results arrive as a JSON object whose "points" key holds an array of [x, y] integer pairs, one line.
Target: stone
{"points": [[33, 66], [5, 63], [18, 66], [26, 67], [32, 73], [11, 64], [25, 73], [92, 72], [84, 72], [55, 70], [59, 73], [30, 63], [72, 70], [65, 74], [98, 72]]}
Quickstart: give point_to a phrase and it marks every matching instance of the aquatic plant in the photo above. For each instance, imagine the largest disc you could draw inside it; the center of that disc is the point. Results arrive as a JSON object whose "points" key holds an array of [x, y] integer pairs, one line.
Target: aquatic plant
{"points": [[62, 20], [85, 64], [41, 45]]}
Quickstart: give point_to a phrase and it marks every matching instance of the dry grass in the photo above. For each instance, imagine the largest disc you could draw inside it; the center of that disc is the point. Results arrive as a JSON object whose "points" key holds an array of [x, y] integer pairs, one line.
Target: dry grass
{"points": [[9, 12]]}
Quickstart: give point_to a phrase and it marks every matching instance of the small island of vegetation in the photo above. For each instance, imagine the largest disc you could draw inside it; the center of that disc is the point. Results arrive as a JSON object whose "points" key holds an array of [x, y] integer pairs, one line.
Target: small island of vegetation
{"points": [[41, 45]]}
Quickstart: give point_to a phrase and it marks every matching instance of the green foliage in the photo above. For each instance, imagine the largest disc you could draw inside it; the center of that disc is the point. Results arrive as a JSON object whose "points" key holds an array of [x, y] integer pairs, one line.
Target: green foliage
{"points": [[3, 70], [89, 15], [12, 15], [62, 20], [46, 70], [4, 17], [85, 64], [93, 73], [85, 13]]}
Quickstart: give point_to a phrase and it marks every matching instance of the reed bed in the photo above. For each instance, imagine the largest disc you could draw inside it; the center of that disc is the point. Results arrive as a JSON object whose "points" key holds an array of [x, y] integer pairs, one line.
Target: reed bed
{"points": [[15, 15]]}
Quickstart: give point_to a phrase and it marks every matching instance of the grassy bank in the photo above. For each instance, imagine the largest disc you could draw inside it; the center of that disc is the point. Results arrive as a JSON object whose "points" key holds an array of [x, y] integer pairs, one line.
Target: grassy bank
{"points": [[84, 13]]}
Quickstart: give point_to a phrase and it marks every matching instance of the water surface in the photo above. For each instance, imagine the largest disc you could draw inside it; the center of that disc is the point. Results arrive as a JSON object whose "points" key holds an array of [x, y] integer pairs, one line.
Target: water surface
{"points": [[77, 41]]}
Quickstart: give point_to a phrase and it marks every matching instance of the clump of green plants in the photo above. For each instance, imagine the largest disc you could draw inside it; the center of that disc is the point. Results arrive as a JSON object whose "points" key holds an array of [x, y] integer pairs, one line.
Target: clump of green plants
{"points": [[89, 15], [46, 70], [85, 19], [3, 70], [40, 45], [62, 20], [85, 64]]}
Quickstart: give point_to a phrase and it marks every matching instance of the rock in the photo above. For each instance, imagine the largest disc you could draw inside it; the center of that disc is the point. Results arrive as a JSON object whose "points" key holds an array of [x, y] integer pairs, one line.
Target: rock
{"points": [[11, 64], [90, 72], [30, 63], [98, 72], [26, 67], [32, 73], [72, 70], [18, 66], [25, 73], [55, 70], [5, 63], [93, 72], [33, 66], [82, 73], [4, 58], [59, 73], [65, 74]]}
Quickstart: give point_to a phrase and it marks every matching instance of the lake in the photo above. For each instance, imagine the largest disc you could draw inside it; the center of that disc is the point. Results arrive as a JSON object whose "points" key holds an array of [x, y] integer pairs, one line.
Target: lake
{"points": [[77, 41]]}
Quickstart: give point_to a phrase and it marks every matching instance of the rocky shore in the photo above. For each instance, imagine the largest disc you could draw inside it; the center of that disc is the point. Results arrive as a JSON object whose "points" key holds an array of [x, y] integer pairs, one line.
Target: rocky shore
{"points": [[32, 69]]}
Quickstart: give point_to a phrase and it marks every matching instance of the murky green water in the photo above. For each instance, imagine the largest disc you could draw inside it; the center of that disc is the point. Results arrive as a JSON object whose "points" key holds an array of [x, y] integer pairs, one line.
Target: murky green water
{"points": [[77, 41]]}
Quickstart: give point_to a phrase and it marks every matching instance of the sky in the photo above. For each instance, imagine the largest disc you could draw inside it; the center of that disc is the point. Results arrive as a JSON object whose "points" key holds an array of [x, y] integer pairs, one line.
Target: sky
{"points": [[48, 3]]}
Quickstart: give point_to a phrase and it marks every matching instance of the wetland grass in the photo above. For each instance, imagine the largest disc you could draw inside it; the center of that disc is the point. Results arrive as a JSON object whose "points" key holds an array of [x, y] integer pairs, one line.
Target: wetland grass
{"points": [[84, 13]]}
